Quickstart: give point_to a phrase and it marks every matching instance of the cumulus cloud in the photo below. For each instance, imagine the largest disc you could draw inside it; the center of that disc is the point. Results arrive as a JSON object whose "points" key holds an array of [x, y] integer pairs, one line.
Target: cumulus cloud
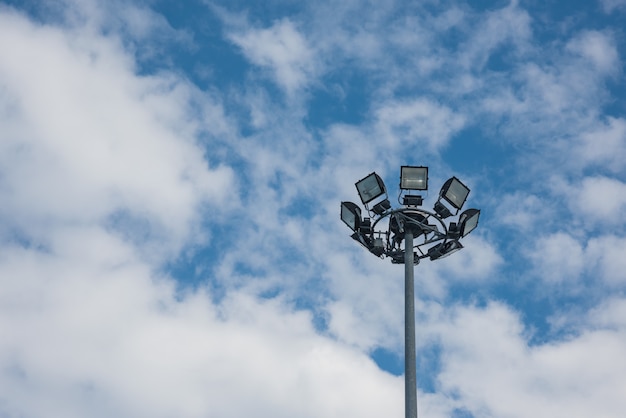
{"points": [[605, 255], [597, 200], [521, 210], [547, 102], [599, 49], [486, 361], [91, 331], [111, 170], [558, 258], [499, 28], [478, 262], [86, 139], [420, 120], [283, 50], [603, 145], [102, 181]]}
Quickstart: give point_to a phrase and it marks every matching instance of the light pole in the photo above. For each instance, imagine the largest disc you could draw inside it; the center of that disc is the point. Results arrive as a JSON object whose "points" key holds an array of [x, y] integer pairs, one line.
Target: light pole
{"points": [[422, 239]]}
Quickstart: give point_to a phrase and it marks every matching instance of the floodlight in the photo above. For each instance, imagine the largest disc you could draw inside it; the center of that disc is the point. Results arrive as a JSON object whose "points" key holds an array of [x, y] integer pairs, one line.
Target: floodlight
{"points": [[444, 249], [468, 221], [381, 207], [366, 227], [441, 210], [361, 239], [370, 188], [454, 192], [413, 178], [412, 234], [378, 247], [351, 215]]}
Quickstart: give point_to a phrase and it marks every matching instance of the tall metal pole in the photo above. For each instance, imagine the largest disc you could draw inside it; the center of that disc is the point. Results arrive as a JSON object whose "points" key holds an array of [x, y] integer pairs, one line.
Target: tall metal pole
{"points": [[410, 372]]}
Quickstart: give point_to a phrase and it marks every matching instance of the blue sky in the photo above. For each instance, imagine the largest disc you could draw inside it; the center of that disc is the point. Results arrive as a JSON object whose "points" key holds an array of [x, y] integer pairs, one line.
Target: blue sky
{"points": [[170, 179]]}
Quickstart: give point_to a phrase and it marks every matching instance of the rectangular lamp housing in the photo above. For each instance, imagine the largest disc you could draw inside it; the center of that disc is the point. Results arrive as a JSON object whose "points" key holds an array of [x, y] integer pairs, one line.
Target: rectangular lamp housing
{"points": [[455, 192], [413, 178], [370, 188]]}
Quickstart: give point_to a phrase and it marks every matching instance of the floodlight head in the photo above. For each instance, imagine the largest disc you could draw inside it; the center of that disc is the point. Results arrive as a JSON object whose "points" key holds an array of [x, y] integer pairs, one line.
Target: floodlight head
{"points": [[378, 247], [370, 188], [366, 226], [441, 210], [468, 221], [413, 178], [351, 215], [362, 239], [454, 192], [381, 207], [444, 249]]}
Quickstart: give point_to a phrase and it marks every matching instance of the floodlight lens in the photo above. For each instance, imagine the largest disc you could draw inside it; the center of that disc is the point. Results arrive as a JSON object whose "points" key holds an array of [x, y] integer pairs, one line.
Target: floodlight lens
{"points": [[413, 178], [455, 192], [469, 221], [370, 188], [351, 215], [444, 249], [381, 207]]}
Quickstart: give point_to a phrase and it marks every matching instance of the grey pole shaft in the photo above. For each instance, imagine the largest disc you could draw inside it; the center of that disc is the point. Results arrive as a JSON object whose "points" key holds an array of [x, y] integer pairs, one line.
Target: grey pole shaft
{"points": [[410, 372]]}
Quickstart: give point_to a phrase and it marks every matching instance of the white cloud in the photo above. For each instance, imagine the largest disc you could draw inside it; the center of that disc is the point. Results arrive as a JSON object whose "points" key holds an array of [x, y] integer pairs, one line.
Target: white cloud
{"points": [[283, 50], [477, 262], [522, 210], [369, 300], [89, 331], [102, 179], [603, 145], [611, 314], [488, 364], [558, 258], [417, 120], [85, 138], [544, 103], [606, 256], [562, 89], [598, 200], [610, 6], [497, 29], [599, 49]]}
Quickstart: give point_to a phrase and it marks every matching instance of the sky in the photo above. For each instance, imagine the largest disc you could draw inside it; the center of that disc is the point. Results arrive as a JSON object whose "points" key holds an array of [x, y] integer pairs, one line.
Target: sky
{"points": [[170, 182]]}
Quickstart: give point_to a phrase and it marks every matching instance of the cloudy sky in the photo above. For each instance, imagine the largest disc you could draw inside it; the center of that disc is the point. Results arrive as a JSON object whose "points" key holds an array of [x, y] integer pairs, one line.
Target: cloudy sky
{"points": [[170, 181]]}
